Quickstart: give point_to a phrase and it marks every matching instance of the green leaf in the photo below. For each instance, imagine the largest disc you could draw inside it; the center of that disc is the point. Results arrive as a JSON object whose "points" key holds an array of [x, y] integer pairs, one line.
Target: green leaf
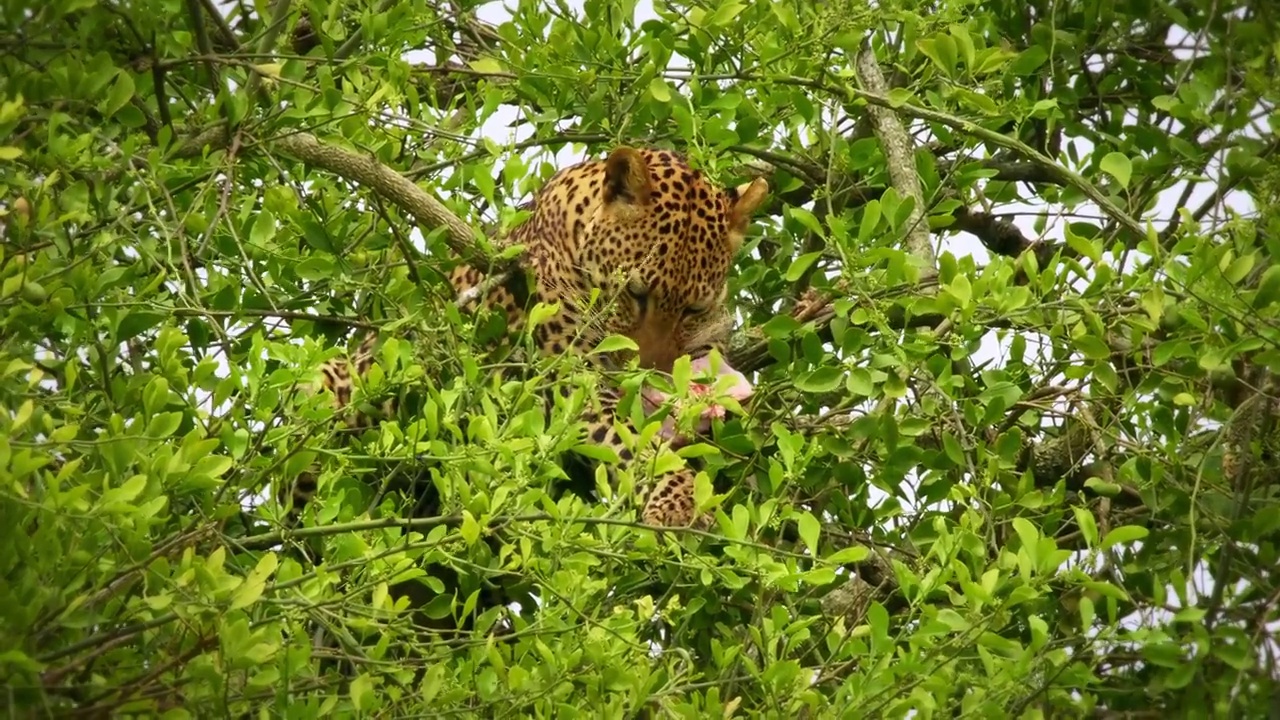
{"points": [[1181, 675], [214, 465], [1087, 524], [861, 383], [702, 492], [1239, 268], [316, 235], [1123, 534], [11, 285], [800, 265], [1093, 347], [724, 14], [487, 66], [135, 323], [965, 43], [991, 60], [737, 526], [941, 49], [780, 326], [1268, 288], [660, 91], [64, 434], [540, 313], [960, 289], [1089, 248], [124, 494], [807, 219], [900, 96], [315, 268], [251, 589], [469, 529], [978, 101], [1029, 534], [264, 228], [953, 620], [362, 694], [163, 425], [155, 396], [821, 380], [870, 222], [1237, 653], [1029, 60], [849, 556], [596, 451], [1190, 615], [1102, 487], [1118, 166], [121, 93], [810, 530], [615, 343], [432, 682]]}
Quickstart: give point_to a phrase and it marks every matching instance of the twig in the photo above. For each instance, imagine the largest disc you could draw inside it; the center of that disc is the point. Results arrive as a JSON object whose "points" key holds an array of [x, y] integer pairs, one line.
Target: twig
{"points": [[279, 12], [466, 297], [220, 22], [157, 79], [202, 42], [357, 35]]}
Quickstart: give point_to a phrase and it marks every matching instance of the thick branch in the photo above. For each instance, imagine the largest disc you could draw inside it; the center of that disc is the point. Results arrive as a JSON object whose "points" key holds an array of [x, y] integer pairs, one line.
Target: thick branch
{"points": [[899, 156], [388, 183], [1002, 237], [429, 212]]}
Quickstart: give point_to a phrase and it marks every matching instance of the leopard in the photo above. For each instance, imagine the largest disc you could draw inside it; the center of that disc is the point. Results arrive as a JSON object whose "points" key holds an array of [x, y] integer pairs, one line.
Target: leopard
{"points": [[638, 244]]}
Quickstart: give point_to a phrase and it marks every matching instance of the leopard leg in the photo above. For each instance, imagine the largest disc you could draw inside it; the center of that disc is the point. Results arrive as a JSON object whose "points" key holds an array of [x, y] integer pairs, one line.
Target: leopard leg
{"points": [[336, 377], [669, 501]]}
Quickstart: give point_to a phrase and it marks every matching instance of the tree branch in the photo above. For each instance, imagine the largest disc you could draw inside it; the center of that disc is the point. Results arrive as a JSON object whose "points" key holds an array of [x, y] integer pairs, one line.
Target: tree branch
{"points": [[1002, 237], [388, 183], [899, 156], [1064, 175], [279, 12], [429, 212]]}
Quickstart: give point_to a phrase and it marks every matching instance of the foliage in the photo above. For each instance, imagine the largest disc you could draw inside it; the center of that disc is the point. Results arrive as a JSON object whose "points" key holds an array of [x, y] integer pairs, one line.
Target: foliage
{"points": [[994, 475]]}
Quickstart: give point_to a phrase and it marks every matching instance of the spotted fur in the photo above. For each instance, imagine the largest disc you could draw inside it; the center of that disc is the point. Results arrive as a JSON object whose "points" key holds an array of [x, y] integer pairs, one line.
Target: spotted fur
{"points": [[658, 239]]}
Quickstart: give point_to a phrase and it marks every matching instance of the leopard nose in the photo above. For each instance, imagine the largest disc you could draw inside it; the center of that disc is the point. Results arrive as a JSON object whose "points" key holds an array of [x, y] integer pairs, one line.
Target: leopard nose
{"points": [[658, 356], [656, 337]]}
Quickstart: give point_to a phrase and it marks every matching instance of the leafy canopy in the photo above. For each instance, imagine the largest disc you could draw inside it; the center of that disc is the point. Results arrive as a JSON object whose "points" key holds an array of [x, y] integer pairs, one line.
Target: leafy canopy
{"points": [[1011, 314]]}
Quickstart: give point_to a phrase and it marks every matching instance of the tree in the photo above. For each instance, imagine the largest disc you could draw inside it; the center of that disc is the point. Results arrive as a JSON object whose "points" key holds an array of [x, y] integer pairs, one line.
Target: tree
{"points": [[1011, 317]]}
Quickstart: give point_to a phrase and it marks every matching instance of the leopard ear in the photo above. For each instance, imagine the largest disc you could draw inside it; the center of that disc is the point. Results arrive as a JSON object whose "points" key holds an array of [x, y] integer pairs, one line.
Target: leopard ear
{"points": [[748, 197], [744, 201], [626, 177]]}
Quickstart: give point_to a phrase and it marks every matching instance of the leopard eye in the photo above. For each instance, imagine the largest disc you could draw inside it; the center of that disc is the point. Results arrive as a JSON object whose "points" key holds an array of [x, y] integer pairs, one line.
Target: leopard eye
{"points": [[695, 310], [638, 290]]}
